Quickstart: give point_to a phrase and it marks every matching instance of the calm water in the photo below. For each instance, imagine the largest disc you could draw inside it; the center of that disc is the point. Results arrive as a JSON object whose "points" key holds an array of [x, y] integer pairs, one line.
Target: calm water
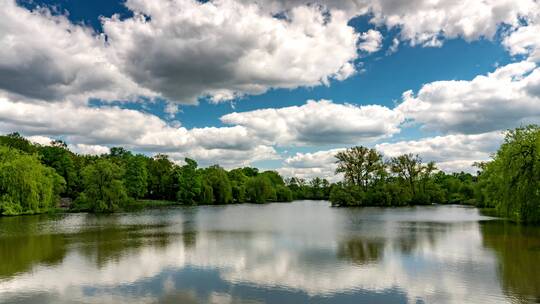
{"points": [[277, 253]]}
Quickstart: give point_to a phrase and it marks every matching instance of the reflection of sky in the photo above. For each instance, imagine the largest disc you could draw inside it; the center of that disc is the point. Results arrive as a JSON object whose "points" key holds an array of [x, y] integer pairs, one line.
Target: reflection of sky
{"points": [[278, 253]]}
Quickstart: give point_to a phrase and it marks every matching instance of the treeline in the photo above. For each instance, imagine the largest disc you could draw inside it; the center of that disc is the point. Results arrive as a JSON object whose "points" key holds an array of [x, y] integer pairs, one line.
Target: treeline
{"points": [[510, 183], [370, 180], [33, 178]]}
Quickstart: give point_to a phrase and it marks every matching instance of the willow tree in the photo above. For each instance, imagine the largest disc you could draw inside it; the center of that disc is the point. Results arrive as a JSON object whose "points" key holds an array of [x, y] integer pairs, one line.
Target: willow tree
{"points": [[26, 186], [514, 175], [104, 190]]}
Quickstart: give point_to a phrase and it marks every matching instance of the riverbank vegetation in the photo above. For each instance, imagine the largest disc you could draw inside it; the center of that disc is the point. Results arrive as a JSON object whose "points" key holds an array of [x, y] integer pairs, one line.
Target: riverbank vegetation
{"points": [[34, 177], [510, 182]]}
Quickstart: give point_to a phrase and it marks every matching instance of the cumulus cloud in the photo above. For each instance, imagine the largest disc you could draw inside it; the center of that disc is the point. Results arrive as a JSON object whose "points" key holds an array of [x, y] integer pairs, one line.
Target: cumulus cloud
{"points": [[525, 41], [40, 140], [427, 22], [185, 49], [228, 158], [505, 98], [180, 50], [371, 41], [46, 57], [224, 49], [319, 122], [251, 136], [452, 153], [92, 130], [309, 165], [89, 149]]}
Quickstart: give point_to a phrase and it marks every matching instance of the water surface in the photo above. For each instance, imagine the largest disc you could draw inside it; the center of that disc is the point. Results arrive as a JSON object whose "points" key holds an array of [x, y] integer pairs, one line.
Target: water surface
{"points": [[277, 253]]}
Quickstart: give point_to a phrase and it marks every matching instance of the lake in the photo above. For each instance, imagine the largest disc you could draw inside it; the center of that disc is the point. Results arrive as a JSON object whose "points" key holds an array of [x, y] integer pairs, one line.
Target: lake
{"points": [[303, 252]]}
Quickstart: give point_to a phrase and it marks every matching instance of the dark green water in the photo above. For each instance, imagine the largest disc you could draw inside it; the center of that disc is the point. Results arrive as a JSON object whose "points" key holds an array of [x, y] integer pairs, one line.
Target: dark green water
{"points": [[304, 252]]}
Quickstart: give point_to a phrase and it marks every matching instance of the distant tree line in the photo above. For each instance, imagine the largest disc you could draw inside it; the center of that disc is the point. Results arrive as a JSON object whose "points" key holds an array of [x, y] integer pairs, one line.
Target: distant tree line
{"points": [[33, 178], [510, 183]]}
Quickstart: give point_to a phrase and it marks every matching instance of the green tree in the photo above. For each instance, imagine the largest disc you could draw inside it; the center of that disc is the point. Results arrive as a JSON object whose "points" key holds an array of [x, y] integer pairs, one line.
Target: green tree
{"points": [[407, 167], [136, 176], [217, 178], [190, 183], [160, 177], [259, 190], [58, 157], [26, 186], [103, 187], [361, 166], [514, 175], [17, 142], [284, 194]]}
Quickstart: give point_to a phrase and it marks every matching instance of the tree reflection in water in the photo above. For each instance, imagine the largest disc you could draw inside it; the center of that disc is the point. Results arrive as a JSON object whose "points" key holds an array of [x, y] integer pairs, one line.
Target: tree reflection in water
{"points": [[518, 251], [22, 246]]}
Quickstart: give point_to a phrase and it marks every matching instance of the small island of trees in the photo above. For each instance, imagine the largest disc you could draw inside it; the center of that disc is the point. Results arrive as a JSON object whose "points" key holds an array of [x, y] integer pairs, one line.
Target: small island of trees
{"points": [[510, 182], [35, 178]]}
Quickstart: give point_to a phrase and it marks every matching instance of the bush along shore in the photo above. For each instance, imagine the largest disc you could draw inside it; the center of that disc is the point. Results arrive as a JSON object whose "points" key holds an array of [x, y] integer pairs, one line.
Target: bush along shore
{"points": [[39, 178]]}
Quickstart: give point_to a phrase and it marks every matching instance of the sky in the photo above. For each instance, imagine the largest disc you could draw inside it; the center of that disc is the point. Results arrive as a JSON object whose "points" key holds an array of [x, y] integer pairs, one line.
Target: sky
{"points": [[280, 85]]}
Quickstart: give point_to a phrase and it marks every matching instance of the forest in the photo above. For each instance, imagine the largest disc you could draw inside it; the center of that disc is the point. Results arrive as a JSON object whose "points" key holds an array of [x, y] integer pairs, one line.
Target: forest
{"points": [[35, 178]]}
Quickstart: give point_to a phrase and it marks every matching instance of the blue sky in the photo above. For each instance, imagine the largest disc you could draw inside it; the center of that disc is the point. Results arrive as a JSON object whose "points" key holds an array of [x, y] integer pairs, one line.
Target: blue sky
{"points": [[179, 71]]}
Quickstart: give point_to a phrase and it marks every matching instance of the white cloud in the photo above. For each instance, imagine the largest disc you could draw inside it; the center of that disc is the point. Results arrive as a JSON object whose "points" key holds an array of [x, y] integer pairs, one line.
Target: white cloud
{"points": [[181, 50], [452, 153], [506, 98], [185, 49], [319, 122], [92, 130], [309, 165], [89, 149], [41, 140], [250, 137], [223, 49], [394, 47], [227, 158], [525, 41], [46, 57], [428, 22], [371, 41]]}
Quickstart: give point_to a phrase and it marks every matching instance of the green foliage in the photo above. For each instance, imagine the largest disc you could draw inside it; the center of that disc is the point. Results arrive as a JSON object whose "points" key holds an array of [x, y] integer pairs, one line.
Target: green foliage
{"points": [[58, 157], [403, 180], [360, 166], [315, 189], [284, 194], [346, 195], [274, 178], [26, 186], [17, 142], [104, 190], [189, 183], [217, 178], [120, 179], [136, 176], [511, 182], [207, 194], [259, 190]]}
